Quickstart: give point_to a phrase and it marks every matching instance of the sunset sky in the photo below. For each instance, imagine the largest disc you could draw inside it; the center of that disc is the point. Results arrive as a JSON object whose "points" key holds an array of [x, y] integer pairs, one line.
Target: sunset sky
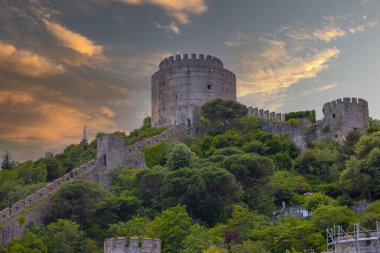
{"points": [[64, 64]]}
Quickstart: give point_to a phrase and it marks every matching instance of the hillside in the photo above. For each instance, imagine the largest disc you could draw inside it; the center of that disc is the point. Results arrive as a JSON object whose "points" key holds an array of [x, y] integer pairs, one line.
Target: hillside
{"points": [[224, 192]]}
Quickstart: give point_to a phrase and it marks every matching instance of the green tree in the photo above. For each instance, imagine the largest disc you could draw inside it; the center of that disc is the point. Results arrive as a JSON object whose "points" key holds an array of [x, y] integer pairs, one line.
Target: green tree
{"points": [[219, 114], [207, 192], [180, 156], [31, 173], [7, 163], [251, 170], [77, 201], [215, 249], [286, 184], [249, 247], [54, 167], [64, 236], [362, 171], [137, 226], [30, 243], [171, 227], [197, 240], [318, 199], [320, 162], [325, 217], [246, 222], [370, 215], [155, 154]]}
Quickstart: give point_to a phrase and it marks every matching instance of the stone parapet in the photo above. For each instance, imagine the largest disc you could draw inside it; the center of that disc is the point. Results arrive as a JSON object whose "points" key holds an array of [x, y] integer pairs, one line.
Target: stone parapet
{"points": [[119, 245]]}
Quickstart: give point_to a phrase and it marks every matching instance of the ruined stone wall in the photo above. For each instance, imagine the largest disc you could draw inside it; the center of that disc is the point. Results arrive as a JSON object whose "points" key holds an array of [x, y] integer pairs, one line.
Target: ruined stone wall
{"points": [[119, 245], [183, 84]]}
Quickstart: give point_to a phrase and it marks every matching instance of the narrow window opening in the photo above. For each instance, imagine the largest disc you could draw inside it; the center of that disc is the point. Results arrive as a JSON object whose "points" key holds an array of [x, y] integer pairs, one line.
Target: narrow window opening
{"points": [[188, 122], [176, 96], [105, 160], [209, 86], [334, 115], [355, 128], [336, 136]]}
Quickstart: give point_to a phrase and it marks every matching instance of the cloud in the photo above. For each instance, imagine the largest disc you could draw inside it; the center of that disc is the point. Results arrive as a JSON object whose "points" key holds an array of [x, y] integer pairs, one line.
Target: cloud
{"points": [[329, 33], [359, 28], [320, 89], [173, 28], [26, 62], [238, 39], [43, 120], [73, 40], [273, 65], [179, 9]]}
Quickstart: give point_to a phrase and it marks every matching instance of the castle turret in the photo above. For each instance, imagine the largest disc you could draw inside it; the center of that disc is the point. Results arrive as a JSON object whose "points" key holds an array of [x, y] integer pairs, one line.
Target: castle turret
{"points": [[183, 84], [343, 116]]}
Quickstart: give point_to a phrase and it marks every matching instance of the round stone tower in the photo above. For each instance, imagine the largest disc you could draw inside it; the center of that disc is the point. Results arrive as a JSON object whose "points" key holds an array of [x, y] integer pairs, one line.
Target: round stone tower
{"points": [[343, 116], [183, 84]]}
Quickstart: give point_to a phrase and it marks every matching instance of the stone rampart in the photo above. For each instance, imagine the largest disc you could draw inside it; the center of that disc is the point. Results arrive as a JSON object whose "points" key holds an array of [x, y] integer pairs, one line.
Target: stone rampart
{"points": [[119, 245], [27, 207], [341, 116], [266, 114]]}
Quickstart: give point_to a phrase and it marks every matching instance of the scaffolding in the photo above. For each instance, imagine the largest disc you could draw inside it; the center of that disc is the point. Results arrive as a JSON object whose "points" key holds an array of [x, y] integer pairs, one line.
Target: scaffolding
{"points": [[360, 240]]}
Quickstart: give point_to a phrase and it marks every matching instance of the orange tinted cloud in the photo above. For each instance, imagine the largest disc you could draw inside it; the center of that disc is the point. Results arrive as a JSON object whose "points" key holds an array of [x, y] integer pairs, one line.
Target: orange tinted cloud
{"points": [[179, 9], [275, 67], [46, 121], [26, 62], [329, 33], [73, 40]]}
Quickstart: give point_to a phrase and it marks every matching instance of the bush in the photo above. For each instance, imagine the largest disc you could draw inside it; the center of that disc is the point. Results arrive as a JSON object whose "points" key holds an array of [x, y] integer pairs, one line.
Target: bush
{"points": [[155, 155]]}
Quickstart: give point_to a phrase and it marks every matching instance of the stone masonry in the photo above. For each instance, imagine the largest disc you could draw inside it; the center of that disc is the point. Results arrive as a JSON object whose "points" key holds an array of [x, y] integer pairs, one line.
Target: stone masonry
{"points": [[111, 152], [119, 245], [183, 84], [340, 117]]}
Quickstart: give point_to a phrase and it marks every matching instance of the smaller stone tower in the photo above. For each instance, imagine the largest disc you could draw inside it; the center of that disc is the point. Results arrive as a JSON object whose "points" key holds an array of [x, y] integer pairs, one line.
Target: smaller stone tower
{"points": [[343, 116]]}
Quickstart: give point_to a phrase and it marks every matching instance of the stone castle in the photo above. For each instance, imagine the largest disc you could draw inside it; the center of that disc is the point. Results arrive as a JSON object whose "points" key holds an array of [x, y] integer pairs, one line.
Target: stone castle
{"points": [[179, 88], [183, 84]]}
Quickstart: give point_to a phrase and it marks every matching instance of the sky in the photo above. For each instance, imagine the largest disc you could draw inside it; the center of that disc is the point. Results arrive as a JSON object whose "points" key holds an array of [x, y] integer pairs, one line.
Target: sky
{"points": [[64, 64]]}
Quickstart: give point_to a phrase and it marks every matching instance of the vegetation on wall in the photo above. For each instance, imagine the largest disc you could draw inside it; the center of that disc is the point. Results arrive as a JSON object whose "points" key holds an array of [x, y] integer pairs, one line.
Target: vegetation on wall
{"points": [[301, 115]]}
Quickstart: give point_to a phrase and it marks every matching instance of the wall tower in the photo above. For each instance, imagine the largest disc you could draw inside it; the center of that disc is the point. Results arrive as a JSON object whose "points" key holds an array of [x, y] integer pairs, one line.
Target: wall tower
{"points": [[343, 116], [183, 84]]}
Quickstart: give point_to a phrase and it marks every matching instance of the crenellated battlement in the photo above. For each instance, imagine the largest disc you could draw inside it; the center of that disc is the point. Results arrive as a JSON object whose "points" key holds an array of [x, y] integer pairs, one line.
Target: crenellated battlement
{"points": [[266, 114], [119, 245], [188, 59], [18, 207], [346, 101]]}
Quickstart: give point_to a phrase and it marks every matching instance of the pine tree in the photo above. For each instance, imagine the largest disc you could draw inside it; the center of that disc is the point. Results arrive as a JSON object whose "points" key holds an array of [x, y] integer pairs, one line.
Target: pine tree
{"points": [[84, 140], [7, 163]]}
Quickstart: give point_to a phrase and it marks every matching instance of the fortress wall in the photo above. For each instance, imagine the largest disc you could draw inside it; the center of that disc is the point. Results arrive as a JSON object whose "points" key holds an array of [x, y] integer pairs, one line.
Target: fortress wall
{"points": [[298, 133], [266, 114], [182, 82], [35, 205], [119, 245]]}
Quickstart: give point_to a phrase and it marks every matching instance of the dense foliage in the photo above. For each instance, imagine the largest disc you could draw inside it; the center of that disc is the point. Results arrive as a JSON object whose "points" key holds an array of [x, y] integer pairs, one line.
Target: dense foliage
{"points": [[210, 194], [301, 114]]}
